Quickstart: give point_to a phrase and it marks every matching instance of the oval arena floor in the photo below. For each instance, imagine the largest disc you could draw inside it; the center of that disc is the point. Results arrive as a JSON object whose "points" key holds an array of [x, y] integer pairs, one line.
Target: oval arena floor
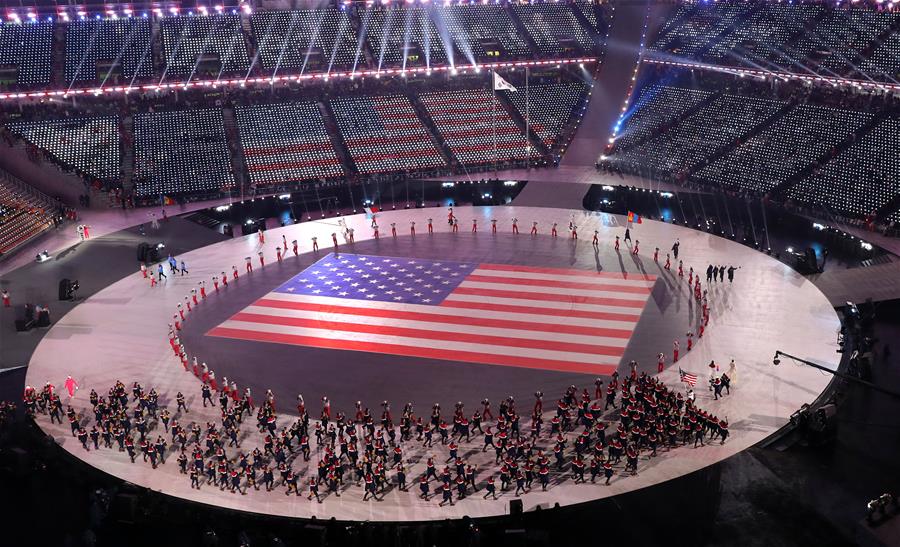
{"points": [[261, 335]]}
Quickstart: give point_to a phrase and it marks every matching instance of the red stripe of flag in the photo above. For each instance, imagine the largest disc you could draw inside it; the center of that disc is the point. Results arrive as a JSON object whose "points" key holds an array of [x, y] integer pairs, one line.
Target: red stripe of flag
{"points": [[559, 271], [575, 298], [581, 314], [416, 351], [559, 284], [440, 318], [427, 334]]}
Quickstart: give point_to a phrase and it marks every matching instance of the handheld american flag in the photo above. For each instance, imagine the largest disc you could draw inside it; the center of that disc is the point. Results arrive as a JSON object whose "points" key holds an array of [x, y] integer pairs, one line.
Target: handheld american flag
{"points": [[498, 314], [688, 378]]}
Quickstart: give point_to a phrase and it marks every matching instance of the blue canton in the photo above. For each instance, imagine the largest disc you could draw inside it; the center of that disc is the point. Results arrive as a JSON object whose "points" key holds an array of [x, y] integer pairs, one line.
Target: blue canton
{"points": [[380, 279]]}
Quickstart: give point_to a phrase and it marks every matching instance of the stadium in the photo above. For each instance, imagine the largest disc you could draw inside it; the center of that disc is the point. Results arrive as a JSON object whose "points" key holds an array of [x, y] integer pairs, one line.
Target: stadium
{"points": [[441, 272]]}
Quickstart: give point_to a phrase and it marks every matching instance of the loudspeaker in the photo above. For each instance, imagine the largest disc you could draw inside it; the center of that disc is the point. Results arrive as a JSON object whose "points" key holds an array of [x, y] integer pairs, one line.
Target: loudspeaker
{"points": [[64, 285], [142, 251], [43, 319], [515, 507]]}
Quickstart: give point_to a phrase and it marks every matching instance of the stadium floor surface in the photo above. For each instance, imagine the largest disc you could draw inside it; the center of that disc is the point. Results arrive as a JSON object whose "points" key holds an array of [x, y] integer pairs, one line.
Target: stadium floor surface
{"points": [[120, 333]]}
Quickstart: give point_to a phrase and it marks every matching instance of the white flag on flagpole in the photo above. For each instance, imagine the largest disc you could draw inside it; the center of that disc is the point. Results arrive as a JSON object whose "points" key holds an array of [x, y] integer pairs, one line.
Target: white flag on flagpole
{"points": [[500, 84]]}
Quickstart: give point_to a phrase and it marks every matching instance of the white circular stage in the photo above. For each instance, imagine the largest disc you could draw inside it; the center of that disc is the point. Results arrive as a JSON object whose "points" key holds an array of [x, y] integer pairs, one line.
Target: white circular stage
{"points": [[121, 334]]}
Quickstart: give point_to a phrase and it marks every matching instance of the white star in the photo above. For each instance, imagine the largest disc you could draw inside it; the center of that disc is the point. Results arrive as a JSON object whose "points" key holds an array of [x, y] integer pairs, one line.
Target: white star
{"points": [[354, 284], [377, 268], [301, 281], [436, 291], [439, 277], [437, 263], [365, 276], [428, 271], [332, 269], [445, 282], [445, 269], [428, 286], [426, 300], [454, 274], [335, 288], [382, 287], [362, 289], [329, 282], [321, 277], [392, 279], [386, 260], [372, 295], [317, 291], [402, 270], [417, 294], [315, 273], [411, 262], [419, 267], [344, 261], [310, 286], [398, 298], [290, 289], [389, 292], [407, 289], [359, 271], [373, 281], [342, 293], [409, 275], [400, 284]]}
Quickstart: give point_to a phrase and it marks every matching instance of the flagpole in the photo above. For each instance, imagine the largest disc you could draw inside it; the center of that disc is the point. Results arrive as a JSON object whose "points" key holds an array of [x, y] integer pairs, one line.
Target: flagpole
{"points": [[494, 88], [527, 122]]}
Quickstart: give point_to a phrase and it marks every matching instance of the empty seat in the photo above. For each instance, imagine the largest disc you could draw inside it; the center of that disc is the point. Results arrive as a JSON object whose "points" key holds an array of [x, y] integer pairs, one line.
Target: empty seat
{"points": [[286, 142], [96, 48], [383, 133], [180, 151], [88, 145], [474, 127]]}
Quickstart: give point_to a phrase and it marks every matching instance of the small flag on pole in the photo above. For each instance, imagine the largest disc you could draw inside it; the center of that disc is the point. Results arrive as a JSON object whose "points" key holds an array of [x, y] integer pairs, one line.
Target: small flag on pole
{"points": [[371, 209], [634, 217], [688, 378], [500, 84], [168, 201]]}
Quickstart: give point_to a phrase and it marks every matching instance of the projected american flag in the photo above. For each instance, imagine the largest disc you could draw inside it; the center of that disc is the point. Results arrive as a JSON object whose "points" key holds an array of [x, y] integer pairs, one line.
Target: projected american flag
{"points": [[497, 314]]}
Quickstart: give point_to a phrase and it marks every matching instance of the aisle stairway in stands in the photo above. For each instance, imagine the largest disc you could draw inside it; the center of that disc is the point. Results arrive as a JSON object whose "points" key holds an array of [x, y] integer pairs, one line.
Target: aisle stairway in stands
{"points": [[735, 23], [523, 30], [865, 53], [126, 129], [729, 147], [436, 137], [625, 141], [235, 150], [337, 140], [829, 155], [538, 148]]}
